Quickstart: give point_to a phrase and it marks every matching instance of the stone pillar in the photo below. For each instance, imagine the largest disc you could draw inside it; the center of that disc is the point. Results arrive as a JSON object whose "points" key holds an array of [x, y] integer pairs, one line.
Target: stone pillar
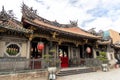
{"points": [[69, 52], [57, 51], [2, 48], [28, 50], [43, 52], [94, 53], [78, 52], [108, 53], [83, 51]]}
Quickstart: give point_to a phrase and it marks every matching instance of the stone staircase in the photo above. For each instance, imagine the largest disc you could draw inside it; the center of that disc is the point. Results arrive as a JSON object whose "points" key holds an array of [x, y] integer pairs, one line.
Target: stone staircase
{"points": [[76, 70]]}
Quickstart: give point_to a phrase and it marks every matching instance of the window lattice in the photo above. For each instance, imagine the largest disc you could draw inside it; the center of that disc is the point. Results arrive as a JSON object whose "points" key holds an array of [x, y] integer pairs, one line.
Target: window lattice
{"points": [[13, 49]]}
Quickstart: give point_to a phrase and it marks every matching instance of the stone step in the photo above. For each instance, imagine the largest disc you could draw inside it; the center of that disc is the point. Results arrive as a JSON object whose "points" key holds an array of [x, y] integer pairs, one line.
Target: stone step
{"points": [[75, 71]]}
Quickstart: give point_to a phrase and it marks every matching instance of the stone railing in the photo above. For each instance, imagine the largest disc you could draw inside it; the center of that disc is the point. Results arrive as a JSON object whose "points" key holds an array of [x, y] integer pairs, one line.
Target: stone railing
{"points": [[40, 75], [8, 65], [89, 62], [14, 65]]}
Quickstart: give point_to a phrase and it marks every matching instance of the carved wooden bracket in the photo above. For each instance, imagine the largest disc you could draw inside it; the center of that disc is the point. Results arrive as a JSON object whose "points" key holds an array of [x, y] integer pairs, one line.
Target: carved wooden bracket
{"points": [[32, 28], [29, 36], [77, 43], [85, 40], [59, 42], [54, 34], [3, 30]]}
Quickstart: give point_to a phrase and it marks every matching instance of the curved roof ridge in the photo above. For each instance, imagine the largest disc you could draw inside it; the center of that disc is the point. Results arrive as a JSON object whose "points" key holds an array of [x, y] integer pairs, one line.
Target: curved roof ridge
{"points": [[73, 30], [32, 14]]}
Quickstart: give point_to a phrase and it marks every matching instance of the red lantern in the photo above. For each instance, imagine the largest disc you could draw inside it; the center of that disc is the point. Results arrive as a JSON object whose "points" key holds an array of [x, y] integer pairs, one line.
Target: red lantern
{"points": [[88, 50], [40, 46]]}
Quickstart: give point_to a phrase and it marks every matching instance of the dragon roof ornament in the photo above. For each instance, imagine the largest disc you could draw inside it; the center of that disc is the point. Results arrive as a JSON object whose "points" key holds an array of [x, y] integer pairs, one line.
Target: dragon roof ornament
{"points": [[3, 15], [31, 14], [8, 21]]}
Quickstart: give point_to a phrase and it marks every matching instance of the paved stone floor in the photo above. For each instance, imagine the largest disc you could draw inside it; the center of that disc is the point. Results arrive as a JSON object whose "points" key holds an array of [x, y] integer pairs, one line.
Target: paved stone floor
{"points": [[113, 74]]}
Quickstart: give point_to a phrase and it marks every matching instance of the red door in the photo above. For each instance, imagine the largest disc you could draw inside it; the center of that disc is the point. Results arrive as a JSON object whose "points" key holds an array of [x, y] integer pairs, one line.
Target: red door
{"points": [[63, 53], [64, 62]]}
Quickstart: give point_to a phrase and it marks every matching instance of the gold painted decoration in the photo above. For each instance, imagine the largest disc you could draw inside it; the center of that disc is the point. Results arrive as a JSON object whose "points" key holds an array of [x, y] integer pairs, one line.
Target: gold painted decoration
{"points": [[54, 34]]}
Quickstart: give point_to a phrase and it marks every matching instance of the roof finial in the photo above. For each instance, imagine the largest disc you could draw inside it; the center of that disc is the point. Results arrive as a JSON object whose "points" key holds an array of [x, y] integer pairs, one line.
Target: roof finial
{"points": [[3, 8]]}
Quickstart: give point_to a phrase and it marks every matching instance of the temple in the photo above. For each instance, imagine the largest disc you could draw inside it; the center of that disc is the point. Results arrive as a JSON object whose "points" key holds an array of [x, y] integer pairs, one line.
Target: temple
{"points": [[68, 40], [35, 37]]}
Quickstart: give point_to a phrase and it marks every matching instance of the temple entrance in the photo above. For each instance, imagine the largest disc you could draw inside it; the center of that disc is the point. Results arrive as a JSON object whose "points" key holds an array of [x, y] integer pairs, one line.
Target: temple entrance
{"points": [[36, 54], [88, 51], [63, 54]]}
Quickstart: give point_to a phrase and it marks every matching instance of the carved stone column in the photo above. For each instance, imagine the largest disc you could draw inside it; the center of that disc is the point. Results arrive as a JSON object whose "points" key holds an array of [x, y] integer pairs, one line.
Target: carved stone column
{"points": [[28, 49]]}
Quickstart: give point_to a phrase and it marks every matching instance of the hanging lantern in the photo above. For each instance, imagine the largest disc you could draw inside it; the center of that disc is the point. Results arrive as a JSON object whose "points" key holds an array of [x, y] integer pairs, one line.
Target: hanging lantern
{"points": [[88, 50], [40, 46]]}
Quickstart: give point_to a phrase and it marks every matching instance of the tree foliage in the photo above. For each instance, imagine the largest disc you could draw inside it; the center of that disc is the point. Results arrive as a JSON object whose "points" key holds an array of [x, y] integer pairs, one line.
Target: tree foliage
{"points": [[102, 57]]}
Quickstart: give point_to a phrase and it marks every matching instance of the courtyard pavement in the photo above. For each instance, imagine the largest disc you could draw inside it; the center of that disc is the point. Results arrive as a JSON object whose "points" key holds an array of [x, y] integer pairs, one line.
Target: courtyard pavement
{"points": [[113, 74]]}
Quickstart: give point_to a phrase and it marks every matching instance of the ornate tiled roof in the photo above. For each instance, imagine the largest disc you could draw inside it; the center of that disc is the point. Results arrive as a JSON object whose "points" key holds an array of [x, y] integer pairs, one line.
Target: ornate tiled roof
{"points": [[30, 16], [10, 25], [104, 42], [8, 22], [115, 36], [116, 46]]}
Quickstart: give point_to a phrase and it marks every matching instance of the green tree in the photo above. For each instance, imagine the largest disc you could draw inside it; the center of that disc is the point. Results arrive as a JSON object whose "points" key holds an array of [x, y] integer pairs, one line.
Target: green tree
{"points": [[102, 57]]}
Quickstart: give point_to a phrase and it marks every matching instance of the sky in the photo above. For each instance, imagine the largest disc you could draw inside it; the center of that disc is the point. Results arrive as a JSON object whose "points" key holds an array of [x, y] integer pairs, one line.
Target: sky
{"points": [[98, 14]]}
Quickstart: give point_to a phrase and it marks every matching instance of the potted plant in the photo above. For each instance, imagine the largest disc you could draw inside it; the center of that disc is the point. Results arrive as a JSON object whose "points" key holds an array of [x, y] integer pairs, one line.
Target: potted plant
{"points": [[104, 61], [51, 62], [102, 57]]}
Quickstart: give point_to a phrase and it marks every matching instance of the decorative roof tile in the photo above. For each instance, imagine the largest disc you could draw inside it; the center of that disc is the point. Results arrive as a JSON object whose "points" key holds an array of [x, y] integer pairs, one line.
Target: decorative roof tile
{"points": [[13, 26], [32, 14], [104, 42], [31, 17], [8, 22], [115, 36]]}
